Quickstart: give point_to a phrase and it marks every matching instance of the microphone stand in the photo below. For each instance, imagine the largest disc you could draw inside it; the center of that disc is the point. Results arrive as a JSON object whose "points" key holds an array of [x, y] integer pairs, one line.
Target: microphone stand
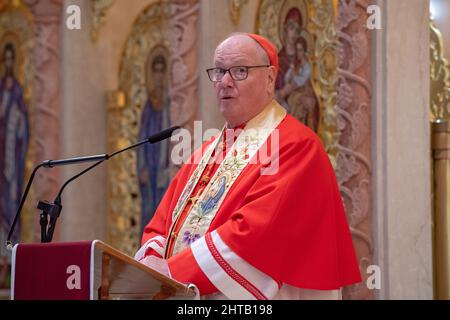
{"points": [[53, 210], [22, 201], [43, 205]]}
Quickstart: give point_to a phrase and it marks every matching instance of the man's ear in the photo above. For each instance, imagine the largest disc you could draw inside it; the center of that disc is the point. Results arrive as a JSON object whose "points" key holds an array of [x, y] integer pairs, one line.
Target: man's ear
{"points": [[271, 79]]}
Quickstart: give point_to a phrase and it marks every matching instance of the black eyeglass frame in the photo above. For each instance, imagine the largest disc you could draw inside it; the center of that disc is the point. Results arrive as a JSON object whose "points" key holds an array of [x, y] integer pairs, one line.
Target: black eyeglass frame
{"points": [[231, 75]]}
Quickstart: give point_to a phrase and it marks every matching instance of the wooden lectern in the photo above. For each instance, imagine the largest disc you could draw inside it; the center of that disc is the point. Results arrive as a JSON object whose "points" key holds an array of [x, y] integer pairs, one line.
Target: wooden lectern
{"points": [[87, 270]]}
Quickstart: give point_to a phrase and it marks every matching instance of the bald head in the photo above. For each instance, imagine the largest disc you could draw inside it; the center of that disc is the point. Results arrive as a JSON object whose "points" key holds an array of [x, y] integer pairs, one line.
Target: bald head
{"points": [[243, 38], [241, 100]]}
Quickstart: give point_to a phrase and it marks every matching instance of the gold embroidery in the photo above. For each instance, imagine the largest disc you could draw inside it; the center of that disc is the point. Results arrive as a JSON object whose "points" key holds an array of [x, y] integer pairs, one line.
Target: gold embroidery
{"points": [[194, 199], [206, 179], [201, 214]]}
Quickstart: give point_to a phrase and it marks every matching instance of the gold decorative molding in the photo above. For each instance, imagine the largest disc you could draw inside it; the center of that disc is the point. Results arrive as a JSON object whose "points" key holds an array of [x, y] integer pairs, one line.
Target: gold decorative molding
{"points": [[171, 27], [325, 74], [99, 9], [115, 100], [124, 108], [439, 76], [16, 26], [235, 10]]}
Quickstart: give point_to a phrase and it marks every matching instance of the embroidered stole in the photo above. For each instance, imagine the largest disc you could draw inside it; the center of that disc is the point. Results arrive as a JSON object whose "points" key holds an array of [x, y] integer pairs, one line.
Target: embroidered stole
{"points": [[203, 211]]}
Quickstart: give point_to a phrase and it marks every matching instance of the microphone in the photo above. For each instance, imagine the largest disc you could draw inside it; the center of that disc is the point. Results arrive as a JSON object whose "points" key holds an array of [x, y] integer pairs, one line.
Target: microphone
{"points": [[54, 163], [54, 210], [19, 209]]}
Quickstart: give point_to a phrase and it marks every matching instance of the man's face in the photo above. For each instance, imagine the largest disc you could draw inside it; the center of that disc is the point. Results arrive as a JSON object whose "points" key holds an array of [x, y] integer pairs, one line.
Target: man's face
{"points": [[239, 101]]}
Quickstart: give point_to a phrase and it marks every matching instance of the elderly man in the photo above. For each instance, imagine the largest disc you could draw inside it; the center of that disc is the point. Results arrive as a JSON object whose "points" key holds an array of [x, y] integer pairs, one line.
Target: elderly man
{"points": [[239, 225]]}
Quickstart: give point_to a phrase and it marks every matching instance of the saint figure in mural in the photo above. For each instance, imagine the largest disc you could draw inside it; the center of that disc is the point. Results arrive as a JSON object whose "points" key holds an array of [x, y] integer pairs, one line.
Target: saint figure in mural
{"points": [[294, 89], [153, 159], [14, 138]]}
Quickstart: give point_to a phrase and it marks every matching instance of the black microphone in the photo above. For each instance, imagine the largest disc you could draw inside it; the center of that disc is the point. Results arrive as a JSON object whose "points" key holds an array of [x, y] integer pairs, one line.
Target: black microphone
{"points": [[54, 163], [54, 210]]}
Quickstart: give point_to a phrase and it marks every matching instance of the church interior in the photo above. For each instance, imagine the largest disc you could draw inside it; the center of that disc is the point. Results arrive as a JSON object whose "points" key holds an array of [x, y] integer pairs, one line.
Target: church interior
{"points": [[90, 77]]}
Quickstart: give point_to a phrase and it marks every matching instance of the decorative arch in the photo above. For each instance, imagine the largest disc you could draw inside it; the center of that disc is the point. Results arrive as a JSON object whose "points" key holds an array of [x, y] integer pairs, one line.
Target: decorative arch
{"points": [[164, 24]]}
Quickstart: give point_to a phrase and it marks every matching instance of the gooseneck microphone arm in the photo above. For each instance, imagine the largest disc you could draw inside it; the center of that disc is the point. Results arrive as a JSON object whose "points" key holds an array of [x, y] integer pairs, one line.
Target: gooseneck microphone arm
{"points": [[54, 163], [22, 201], [54, 210], [153, 139]]}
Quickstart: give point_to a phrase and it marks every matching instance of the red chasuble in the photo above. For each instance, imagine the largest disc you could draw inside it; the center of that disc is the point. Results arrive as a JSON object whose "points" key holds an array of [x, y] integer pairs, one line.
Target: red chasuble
{"points": [[290, 225]]}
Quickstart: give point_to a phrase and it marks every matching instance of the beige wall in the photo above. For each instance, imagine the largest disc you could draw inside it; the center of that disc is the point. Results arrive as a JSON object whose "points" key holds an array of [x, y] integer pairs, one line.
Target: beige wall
{"points": [[90, 70], [401, 150], [212, 33]]}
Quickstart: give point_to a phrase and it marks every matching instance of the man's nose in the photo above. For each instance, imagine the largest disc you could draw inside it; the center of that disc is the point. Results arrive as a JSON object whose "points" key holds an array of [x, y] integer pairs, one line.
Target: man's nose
{"points": [[227, 80]]}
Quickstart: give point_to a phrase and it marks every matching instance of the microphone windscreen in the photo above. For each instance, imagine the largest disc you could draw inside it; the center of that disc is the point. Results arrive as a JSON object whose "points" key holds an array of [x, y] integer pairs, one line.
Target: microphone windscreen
{"points": [[162, 135]]}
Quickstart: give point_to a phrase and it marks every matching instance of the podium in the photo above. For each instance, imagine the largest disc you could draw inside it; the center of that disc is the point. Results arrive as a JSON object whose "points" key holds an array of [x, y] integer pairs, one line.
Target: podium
{"points": [[87, 270]]}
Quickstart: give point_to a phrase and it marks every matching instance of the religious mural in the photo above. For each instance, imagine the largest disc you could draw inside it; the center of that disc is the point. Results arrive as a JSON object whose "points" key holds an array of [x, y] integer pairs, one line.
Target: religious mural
{"points": [[304, 33], [326, 42], [14, 137], [144, 78], [294, 88], [153, 159], [157, 89], [15, 91]]}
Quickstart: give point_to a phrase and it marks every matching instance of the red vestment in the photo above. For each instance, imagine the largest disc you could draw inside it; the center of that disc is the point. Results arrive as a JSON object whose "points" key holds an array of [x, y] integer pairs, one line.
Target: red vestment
{"points": [[290, 225]]}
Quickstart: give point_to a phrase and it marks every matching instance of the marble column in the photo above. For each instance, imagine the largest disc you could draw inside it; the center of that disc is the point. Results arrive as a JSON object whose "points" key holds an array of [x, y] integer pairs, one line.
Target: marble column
{"points": [[401, 150]]}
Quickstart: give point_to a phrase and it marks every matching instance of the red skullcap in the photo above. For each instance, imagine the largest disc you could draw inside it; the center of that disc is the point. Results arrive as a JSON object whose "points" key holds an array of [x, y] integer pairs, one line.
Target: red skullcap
{"points": [[268, 47]]}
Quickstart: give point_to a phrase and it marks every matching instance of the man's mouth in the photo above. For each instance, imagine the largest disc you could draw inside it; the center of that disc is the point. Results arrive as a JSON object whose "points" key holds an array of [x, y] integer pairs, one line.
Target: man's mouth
{"points": [[226, 98]]}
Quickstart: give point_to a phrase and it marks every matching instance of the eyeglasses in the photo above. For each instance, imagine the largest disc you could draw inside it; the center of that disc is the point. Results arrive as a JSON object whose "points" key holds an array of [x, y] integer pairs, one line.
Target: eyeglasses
{"points": [[237, 73]]}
